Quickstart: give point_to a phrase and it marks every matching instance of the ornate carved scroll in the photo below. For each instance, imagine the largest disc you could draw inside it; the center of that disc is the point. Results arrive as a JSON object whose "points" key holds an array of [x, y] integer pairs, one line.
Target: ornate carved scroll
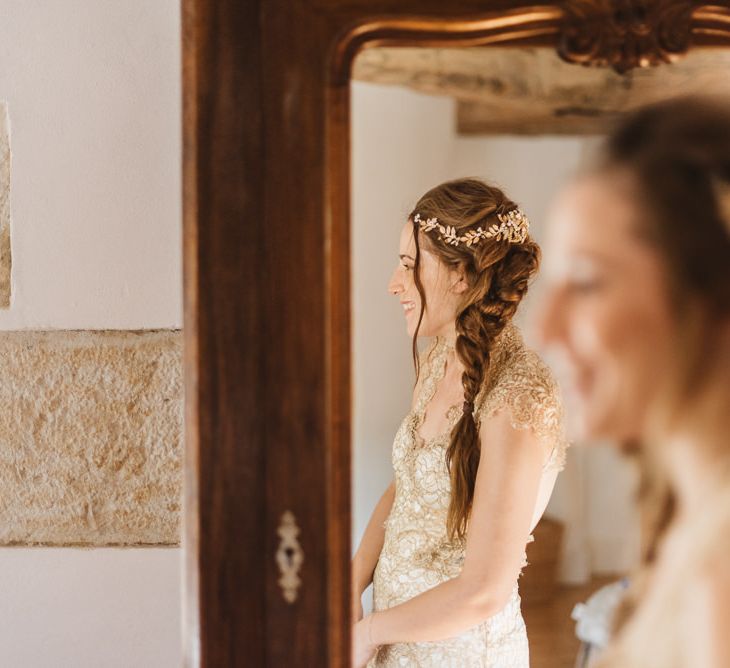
{"points": [[625, 34]]}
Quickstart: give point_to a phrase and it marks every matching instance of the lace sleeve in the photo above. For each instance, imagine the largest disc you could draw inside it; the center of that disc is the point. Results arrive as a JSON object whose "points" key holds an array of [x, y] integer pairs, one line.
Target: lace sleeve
{"points": [[526, 387]]}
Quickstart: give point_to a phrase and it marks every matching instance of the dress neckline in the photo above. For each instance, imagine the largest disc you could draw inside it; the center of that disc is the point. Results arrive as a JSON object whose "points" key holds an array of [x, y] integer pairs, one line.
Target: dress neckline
{"points": [[435, 368]]}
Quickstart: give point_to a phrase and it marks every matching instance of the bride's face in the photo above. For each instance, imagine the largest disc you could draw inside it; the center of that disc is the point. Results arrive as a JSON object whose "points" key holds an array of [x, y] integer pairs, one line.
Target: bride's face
{"points": [[442, 285], [606, 307]]}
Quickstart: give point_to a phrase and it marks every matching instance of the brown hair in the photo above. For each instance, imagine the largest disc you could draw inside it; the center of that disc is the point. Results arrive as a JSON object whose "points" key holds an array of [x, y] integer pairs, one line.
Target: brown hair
{"points": [[497, 274], [677, 156]]}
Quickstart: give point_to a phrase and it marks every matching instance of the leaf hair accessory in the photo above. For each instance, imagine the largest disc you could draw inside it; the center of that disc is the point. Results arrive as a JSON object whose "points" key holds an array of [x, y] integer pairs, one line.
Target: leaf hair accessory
{"points": [[513, 227]]}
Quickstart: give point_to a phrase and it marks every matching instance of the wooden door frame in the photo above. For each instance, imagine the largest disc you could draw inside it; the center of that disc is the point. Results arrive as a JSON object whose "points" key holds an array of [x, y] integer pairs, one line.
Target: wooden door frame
{"points": [[267, 284]]}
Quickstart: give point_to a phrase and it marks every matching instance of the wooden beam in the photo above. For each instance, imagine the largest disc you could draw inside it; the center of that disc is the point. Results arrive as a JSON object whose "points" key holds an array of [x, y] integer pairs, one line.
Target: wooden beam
{"points": [[532, 91]]}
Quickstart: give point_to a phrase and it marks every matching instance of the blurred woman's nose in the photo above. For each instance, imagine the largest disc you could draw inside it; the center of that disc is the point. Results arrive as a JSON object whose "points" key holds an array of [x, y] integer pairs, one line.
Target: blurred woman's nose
{"points": [[395, 284], [549, 319]]}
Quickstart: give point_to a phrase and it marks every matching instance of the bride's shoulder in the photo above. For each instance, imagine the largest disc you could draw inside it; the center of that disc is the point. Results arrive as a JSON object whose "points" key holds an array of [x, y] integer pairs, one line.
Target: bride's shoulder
{"points": [[520, 381], [517, 367]]}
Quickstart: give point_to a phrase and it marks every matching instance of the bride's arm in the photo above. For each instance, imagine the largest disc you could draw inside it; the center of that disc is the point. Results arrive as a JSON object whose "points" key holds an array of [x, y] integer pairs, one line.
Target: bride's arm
{"points": [[366, 557], [505, 493], [368, 553]]}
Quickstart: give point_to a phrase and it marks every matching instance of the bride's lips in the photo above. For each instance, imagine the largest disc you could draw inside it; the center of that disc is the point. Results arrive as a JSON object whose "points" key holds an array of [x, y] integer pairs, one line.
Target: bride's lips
{"points": [[408, 306]]}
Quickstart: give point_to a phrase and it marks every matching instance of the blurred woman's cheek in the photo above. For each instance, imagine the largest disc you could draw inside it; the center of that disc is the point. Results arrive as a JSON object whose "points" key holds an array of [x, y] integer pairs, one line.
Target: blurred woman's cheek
{"points": [[551, 314]]}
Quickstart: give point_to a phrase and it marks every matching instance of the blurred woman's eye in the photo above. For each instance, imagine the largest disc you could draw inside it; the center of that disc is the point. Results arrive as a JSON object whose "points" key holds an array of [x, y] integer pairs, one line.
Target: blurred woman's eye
{"points": [[585, 285], [406, 267], [584, 278]]}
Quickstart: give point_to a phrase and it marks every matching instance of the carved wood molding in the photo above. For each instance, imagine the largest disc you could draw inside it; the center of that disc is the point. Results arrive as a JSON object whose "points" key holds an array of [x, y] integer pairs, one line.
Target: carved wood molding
{"points": [[625, 34], [528, 25], [622, 34]]}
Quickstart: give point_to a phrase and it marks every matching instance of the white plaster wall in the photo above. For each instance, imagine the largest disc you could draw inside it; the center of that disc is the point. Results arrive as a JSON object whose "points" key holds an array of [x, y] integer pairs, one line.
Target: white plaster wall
{"points": [[89, 608], [93, 93]]}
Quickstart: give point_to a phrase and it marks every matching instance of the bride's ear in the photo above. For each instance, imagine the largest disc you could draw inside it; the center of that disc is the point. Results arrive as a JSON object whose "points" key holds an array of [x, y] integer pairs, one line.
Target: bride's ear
{"points": [[459, 283]]}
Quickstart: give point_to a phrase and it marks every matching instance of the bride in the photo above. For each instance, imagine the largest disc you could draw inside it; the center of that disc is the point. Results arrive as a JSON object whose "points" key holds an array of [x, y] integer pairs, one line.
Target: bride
{"points": [[475, 460]]}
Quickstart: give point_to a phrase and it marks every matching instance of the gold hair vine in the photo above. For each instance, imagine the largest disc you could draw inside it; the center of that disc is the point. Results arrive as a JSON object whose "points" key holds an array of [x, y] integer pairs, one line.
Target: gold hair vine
{"points": [[513, 227]]}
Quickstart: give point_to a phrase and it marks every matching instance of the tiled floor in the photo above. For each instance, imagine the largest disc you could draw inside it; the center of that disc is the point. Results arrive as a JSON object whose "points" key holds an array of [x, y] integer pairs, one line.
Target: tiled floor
{"points": [[551, 631]]}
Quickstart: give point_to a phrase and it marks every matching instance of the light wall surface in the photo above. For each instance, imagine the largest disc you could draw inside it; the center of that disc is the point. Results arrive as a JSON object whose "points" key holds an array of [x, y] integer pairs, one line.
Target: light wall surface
{"points": [[93, 100], [93, 95]]}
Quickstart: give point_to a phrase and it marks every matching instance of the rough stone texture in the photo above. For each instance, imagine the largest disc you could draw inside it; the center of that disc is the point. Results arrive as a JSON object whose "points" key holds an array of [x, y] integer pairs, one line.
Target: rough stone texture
{"points": [[90, 437], [4, 207]]}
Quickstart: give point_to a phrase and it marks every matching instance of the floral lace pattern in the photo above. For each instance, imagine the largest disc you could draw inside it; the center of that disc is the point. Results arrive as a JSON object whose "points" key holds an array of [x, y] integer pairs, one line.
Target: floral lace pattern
{"points": [[417, 554], [523, 383]]}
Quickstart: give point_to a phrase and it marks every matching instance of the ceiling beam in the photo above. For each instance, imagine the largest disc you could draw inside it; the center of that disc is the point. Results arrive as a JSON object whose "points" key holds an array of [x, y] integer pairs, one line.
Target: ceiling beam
{"points": [[507, 90]]}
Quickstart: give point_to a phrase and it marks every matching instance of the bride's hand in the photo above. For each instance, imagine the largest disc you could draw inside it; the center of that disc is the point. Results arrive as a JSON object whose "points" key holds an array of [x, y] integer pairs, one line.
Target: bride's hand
{"points": [[362, 650]]}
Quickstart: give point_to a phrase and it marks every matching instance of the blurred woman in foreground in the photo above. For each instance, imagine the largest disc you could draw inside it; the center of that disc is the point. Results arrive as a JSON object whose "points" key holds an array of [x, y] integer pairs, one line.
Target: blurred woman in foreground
{"points": [[638, 261]]}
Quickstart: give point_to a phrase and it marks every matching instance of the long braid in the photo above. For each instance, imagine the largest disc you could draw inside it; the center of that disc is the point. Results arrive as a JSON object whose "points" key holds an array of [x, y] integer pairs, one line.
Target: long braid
{"points": [[477, 327]]}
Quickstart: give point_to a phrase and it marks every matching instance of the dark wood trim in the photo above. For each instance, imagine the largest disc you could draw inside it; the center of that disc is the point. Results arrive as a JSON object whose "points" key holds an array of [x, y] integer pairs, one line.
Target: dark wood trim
{"points": [[338, 366], [224, 321]]}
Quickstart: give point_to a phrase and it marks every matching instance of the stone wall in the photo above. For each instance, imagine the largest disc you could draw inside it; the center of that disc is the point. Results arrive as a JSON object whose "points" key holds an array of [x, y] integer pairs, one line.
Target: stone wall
{"points": [[91, 437]]}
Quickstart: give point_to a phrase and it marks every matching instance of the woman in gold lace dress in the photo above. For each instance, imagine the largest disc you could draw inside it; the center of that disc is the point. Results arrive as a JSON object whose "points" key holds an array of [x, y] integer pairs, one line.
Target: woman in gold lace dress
{"points": [[475, 460]]}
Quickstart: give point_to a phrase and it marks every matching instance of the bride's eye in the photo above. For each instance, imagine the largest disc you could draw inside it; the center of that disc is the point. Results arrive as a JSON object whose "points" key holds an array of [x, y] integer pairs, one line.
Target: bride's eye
{"points": [[406, 267]]}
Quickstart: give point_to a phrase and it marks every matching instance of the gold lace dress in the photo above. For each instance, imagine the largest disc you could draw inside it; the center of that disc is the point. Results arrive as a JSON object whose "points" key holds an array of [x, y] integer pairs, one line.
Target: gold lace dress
{"points": [[417, 554]]}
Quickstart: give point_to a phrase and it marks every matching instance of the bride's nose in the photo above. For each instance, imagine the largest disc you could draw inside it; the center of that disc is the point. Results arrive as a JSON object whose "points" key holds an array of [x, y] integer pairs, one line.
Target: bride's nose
{"points": [[395, 285]]}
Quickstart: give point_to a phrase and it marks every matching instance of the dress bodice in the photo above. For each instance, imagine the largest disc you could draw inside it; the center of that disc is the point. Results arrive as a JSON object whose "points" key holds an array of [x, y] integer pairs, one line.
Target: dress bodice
{"points": [[518, 380], [417, 553]]}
